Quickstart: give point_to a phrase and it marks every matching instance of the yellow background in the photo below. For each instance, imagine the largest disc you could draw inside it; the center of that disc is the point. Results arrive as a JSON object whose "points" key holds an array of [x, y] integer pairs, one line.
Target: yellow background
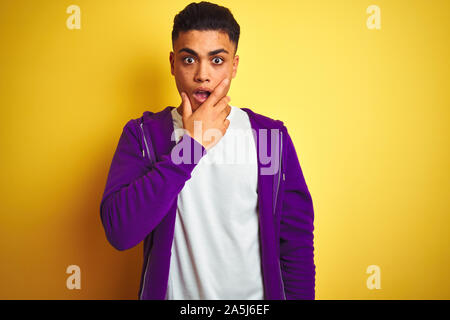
{"points": [[368, 111]]}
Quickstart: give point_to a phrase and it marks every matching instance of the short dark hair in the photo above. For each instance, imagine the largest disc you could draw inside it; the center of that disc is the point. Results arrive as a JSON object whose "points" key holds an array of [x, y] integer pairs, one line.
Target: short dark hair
{"points": [[206, 16]]}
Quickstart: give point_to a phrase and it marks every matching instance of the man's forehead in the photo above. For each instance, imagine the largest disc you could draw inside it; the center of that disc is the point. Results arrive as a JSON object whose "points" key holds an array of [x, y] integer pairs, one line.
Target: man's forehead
{"points": [[203, 40]]}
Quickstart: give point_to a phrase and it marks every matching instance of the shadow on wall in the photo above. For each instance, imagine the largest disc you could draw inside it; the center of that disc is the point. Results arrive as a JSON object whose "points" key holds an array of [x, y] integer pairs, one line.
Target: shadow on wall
{"points": [[151, 84]]}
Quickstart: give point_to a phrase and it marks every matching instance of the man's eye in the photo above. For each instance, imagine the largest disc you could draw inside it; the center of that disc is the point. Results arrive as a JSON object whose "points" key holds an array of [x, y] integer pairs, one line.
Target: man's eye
{"points": [[191, 60], [186, 59], [218, 60]]}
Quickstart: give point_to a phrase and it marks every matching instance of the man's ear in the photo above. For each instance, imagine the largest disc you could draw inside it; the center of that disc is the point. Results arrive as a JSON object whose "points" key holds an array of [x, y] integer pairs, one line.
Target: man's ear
{"points": [[235, 66], [171, 59]]}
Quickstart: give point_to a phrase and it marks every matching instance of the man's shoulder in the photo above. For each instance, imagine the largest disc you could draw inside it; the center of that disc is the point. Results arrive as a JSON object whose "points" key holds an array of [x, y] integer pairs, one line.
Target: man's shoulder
{"points": [[152, 115], [263, 120], [134, 123]]}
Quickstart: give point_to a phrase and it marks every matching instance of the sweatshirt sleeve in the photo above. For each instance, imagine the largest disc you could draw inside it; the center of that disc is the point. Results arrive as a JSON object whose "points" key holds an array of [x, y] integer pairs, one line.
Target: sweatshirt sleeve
{"points": [[138, 196], [296, 231]]}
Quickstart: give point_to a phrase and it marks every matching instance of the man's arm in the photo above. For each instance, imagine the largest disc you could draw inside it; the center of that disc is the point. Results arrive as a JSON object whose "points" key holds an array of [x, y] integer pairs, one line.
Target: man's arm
{"points": [[296, 231], [136, 197]]}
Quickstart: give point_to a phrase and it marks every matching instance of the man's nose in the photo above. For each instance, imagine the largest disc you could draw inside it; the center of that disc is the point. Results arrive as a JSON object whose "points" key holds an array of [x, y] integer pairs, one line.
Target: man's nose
{"points": [[202, 73]]}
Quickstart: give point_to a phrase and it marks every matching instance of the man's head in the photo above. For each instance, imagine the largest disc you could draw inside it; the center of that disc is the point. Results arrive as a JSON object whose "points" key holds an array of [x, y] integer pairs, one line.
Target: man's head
{"points": [[205, 37]]}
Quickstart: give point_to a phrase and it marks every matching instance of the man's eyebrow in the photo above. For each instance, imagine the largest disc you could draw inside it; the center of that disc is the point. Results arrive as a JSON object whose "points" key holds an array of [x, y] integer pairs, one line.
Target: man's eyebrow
{"points": [[211, 53]]}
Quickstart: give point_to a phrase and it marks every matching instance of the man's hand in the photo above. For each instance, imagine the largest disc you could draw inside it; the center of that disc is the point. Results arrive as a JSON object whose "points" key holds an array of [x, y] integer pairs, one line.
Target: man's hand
{"points": [[211, 115]]}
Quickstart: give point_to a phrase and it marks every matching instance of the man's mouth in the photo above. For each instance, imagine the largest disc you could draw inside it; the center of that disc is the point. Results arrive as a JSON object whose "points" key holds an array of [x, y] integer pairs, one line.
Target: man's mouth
{"points": [[201, 95]]}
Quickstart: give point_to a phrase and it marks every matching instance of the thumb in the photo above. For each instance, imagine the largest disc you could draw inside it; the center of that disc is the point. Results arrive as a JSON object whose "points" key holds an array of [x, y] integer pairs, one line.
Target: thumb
{"points": [[187, 108]]}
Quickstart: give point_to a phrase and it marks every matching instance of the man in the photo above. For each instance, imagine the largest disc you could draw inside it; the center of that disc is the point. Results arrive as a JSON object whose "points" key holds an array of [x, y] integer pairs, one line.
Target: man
{"points": [[213, 228]]}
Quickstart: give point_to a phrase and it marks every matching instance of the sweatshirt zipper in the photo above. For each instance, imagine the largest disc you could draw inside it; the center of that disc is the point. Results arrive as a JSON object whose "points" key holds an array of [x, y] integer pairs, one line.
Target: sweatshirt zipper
{"points": [[281, 279], [275, 208], [145, 276], [279, 174], [148, 258], [145, 141]]}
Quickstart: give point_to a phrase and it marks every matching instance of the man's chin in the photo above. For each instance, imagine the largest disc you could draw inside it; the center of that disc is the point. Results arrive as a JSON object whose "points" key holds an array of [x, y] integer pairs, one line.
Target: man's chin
{"points": [[195, 107]]}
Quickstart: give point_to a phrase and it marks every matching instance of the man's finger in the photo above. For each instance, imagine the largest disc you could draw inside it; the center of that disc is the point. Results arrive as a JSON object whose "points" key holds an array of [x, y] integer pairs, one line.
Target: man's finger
{"points": [[222, 104], [218, 92], [187, 108], [225, 112]]}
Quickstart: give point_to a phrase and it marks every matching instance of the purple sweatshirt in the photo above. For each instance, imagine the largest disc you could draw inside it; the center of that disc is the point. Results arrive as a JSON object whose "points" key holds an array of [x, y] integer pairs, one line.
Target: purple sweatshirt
{"points": [[140, 201]]}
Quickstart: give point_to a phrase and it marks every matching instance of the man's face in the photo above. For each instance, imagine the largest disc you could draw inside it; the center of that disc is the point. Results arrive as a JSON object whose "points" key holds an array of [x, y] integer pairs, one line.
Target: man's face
{"points": [[202, 59]]}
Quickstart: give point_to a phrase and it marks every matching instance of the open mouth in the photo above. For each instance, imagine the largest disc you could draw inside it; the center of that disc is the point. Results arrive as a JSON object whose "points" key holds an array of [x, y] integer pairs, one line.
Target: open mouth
{"points": [[201, 95]]}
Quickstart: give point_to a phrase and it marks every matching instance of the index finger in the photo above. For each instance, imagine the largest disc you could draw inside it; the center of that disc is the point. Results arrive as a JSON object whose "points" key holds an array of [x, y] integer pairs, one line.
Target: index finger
{"points": [[218, 93]]}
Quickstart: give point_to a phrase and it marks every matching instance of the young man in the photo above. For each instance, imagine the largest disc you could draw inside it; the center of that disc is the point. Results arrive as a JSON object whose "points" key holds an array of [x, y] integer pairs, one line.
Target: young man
{"points": [[213, 227]]}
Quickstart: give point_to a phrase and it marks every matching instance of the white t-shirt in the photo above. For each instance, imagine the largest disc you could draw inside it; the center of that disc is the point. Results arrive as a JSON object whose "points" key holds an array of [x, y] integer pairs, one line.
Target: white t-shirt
{"points": [[215, 250]]}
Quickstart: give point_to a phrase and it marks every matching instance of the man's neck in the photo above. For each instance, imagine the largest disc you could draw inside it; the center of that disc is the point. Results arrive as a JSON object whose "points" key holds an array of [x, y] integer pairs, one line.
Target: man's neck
{"points": [[180, 110]]}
